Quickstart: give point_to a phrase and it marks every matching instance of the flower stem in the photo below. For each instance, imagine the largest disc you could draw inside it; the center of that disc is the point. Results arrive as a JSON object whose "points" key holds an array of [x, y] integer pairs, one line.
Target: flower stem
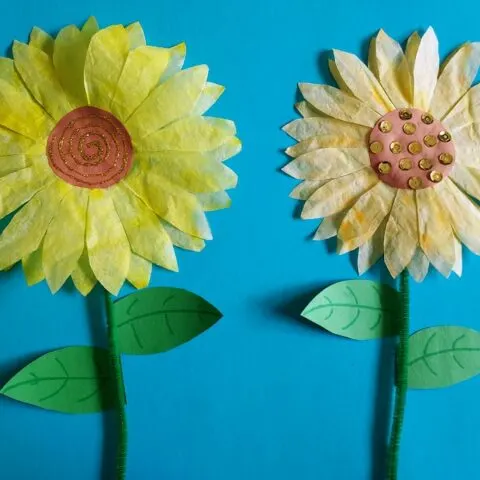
{"points": [[401, 380], [119, 390]]}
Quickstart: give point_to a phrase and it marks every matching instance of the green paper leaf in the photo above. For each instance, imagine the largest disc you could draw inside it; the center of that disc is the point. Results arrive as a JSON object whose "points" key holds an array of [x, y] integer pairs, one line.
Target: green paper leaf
{"points": [[158, 319], [69, 380], [443, 356], [358, 309]]}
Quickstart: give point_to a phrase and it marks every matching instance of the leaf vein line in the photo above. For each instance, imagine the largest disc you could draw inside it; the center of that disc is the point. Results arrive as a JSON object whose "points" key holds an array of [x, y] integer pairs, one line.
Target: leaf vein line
{"points": [[158, 312]]}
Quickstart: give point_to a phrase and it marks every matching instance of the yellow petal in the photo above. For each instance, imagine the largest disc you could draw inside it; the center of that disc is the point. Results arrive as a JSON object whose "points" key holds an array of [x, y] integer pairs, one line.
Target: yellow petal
{"points": [[361, 82], [144, 231], [425, 70], [168, 102], [456, 78], [468, 179], [332, 66], [177, 59], [339, 194], [401, 233], [467, 145], [26, 230], [183, 240], [83, 277], [106, 55], [36, 70], [226, 150], [329, 226], [465, 112], [65, 238], [392, 70], [365, 217], [303, 129], [136, 36], [458, 266], [12, 163], [41, 40], [140, 75], [436, 236], [371, 250], [418, 266], [70, 52], [306, 110], [328, 163], [305, 189], [139, 272], [339, 105], [208, 97], [189, 134], [324, 141], [33, 267], [12, 143], [411, 50], [213, 201], [172, 203]]}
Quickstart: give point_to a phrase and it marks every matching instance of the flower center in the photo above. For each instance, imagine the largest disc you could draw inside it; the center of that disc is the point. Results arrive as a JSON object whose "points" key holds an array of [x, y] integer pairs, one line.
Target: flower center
{"points": [[90, 148], [410, 149]]}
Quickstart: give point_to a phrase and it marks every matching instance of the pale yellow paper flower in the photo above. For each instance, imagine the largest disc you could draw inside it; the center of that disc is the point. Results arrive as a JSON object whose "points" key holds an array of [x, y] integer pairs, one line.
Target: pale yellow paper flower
{"points": [[104, 146], [391, 158]]}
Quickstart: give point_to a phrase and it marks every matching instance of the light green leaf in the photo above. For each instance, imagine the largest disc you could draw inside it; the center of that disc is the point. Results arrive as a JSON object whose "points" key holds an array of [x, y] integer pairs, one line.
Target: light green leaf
{"points": [[443, 356], [157, 319], [358, 309], [69, 380]]}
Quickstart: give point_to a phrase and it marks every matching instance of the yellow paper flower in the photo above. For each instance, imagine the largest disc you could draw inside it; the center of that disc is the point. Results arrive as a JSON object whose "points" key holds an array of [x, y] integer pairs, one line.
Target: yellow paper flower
{"points": [[391, 158], [104, 143]]}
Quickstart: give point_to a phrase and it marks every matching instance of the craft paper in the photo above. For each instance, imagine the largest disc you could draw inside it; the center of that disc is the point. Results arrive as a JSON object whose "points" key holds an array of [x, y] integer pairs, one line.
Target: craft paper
{"points": [[391, 152], [142, 165], [358, 309], [159, 319], [443, 356], [69, 380]]}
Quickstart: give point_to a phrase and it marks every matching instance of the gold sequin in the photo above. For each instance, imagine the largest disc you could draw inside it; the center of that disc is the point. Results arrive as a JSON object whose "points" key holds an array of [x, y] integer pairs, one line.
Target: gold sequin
{"points": [[445, 158], [376, 147], [405, 164], [430, 140], [395, 147], [414, 148], [425, 164], [415, 183], [435, 176], [385, 126], [409, 128], [427, 119], [444, 136], [384, 168], [405, 114]]}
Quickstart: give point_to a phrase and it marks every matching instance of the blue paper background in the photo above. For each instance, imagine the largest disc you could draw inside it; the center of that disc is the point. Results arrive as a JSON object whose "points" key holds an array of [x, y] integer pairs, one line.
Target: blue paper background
{"points": [[261, 395]]}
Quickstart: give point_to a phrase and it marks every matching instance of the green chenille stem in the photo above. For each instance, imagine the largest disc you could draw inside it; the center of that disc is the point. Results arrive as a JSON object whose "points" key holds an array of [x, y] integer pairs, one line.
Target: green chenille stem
{"points": [[119, 391], [401, 380]]}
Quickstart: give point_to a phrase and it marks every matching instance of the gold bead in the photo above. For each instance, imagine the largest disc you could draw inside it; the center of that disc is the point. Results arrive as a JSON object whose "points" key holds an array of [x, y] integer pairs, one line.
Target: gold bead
{"points": [[444, 136], [385, 126], [430, 140], [415, 183], [414, 148], [384, 168], [435, 176], [427, 119], [425, 164], [405, 114], [376, 147], [405, 164], [409, 128], [445, 158], [395, 147]]}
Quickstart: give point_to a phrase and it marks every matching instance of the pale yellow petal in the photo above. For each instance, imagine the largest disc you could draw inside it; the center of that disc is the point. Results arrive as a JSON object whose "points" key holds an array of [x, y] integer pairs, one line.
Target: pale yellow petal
{"points": [[329, 226], [65, 238], [37, 71], [458, 266], [392, 70], [332, 66], [372, 57], [83, 277], [177, 59], [139, 272], [411, 50], [468, 179], [183, 240], [144, 231], [136, 36], [212, 201], [339, 105], [467, 145], [226, 150], [33, 267], [324, 141], [305, 189], [210, 94], [41, 40], [170, 101], [465, 112], [339, 194], [425, 70], [106, 55], [365, 217], [26, 230], [361, 82], [371, 250], [107, 243], [140, 75], [306, 110], [401, 233], [436, 236], [418, 266], [456, 78], [327, 163]]}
